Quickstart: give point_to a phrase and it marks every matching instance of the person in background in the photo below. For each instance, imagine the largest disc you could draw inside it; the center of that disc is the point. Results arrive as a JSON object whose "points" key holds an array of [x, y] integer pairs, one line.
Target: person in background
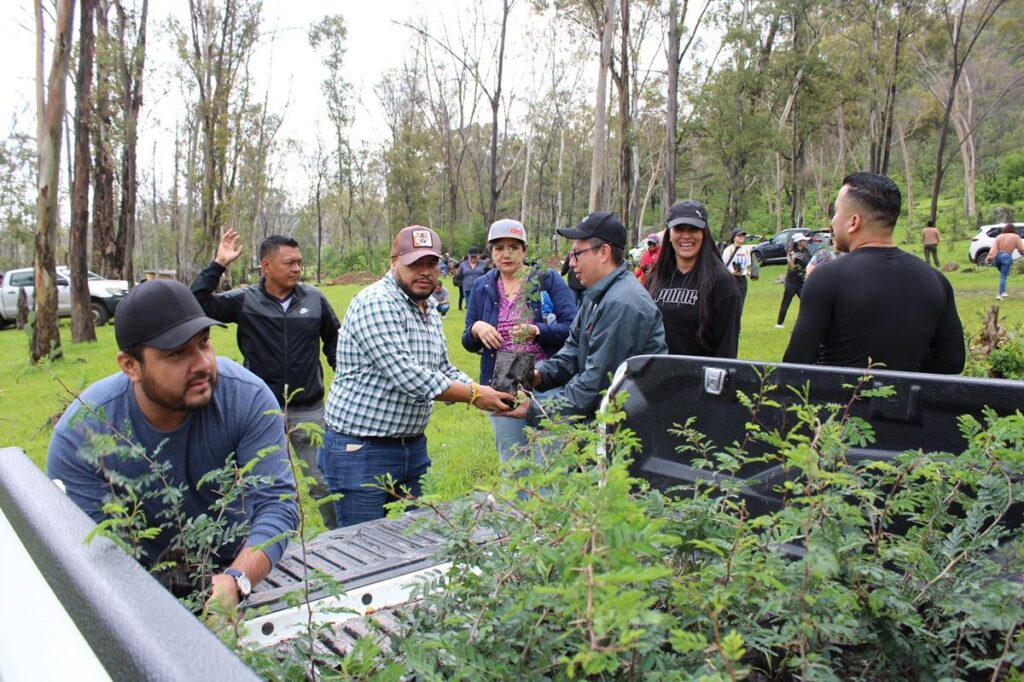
{"points": [[440, 297], [444, 264], [393, 364], [575, 286], [823, 255], [691, 287], [1001, 254], [506, 313], [283, 326], [469, 271], [930, 239], [877, 304], [649, 257], [797, 259], [456, 271], [736, 257]]}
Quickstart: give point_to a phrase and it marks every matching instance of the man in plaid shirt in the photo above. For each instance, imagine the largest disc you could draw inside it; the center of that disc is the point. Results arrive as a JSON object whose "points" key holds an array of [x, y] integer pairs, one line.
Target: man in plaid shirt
{"points": [[392, 365]]}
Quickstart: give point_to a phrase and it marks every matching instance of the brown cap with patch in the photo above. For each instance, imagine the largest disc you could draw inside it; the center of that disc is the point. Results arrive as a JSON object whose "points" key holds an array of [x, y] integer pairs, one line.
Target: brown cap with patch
{"points": [[415, 242]]}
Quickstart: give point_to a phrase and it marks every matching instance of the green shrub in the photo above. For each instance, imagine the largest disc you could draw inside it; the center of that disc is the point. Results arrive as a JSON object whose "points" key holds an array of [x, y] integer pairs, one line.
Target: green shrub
{"points": [[904, 569], [1004, 361], [870, 570]]}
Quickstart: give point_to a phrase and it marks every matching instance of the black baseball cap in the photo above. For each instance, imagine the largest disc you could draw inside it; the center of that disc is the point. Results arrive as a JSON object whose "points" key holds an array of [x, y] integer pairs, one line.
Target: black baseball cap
{"points": [[600, 224], [160, 313], [687, 212], [737, 231]]}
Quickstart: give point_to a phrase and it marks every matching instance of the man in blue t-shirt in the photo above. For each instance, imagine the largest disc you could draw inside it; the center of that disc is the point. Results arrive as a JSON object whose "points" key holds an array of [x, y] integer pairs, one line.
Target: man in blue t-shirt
{"points": [[187, 411]]}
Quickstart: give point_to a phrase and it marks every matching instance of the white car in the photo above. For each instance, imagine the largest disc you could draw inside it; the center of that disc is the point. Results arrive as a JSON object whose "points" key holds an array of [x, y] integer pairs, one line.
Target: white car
{"points": [[104, 294], [981, 243]]}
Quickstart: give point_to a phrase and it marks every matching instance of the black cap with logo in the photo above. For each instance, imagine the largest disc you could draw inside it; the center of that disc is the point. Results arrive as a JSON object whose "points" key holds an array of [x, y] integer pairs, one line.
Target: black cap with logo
{"points": [[161, 313], [688, 212], [600, 224]]}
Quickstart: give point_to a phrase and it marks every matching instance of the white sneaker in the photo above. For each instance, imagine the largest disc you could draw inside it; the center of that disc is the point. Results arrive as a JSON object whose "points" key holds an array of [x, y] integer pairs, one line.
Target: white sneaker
{"points": [[999, 297], [780, 326]]}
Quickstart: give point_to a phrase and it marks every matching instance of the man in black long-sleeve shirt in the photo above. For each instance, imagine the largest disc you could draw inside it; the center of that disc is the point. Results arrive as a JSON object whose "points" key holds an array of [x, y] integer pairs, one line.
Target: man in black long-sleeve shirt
{"points": [[879, 304]]}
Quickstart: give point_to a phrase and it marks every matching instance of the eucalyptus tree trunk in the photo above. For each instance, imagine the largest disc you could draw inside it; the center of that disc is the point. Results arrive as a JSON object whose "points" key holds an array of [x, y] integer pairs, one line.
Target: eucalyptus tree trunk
{"points": [[625, 119], [131, 64], [78, 257], [46, 331], [104, 245], [672, 102], [601, 110], [495, 186]]}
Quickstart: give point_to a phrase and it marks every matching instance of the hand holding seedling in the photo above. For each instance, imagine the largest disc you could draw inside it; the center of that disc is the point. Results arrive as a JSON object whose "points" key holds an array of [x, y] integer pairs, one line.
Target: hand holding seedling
{"points": [[488, 335]]}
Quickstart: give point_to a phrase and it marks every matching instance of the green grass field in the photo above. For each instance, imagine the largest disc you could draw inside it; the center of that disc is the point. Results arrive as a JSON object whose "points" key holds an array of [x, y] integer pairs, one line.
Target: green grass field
{"points": [[461, 445]]}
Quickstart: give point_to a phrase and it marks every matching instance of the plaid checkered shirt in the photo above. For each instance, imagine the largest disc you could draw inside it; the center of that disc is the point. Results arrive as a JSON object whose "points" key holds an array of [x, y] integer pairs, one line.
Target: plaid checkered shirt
{"points": [[392, 362]]}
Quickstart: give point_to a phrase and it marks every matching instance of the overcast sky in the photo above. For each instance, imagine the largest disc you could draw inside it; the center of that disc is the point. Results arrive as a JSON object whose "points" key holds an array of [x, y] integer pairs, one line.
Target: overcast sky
{"points": [[284, 66]]}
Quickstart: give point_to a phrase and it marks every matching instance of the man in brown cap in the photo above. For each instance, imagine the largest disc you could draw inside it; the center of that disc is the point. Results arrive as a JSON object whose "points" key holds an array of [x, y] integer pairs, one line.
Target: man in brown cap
{"points": [[392, 365]]}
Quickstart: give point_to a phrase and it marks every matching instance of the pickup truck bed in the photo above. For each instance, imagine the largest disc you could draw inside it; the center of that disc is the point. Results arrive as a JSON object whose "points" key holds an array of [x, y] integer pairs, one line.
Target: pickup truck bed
{"points": [[664, 390], [133, 629]]}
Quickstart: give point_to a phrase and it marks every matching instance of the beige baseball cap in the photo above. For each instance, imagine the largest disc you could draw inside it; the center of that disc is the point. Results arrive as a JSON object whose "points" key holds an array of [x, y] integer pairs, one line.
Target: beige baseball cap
{"points": [[415, 242]]}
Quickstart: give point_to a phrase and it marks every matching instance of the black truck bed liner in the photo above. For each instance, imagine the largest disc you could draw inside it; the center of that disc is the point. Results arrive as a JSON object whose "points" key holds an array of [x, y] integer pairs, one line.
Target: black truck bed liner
{"points": [[663, 390]]}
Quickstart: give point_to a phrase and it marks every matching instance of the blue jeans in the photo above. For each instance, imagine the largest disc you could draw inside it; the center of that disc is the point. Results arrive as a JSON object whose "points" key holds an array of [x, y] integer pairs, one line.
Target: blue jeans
{"points": [[509, 436], [352, 465], [1003, 261]]}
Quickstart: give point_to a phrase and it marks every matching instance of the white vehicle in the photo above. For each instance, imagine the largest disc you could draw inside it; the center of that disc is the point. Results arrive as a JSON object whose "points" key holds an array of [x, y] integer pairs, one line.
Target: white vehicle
{"points": [[104, 294], [981, 243]]}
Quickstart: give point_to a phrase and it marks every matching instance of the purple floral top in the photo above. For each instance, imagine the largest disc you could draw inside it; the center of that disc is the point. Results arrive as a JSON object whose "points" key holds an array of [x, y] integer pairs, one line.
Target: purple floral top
{"points": [[510, 314]]}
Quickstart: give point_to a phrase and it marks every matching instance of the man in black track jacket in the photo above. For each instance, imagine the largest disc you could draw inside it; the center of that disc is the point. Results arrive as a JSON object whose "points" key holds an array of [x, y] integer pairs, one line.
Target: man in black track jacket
{"points": [[281, 323]]}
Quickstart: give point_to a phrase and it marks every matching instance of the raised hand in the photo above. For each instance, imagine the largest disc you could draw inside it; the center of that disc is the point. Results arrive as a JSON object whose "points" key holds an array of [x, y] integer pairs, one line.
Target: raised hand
{"points": [[229, 248]]}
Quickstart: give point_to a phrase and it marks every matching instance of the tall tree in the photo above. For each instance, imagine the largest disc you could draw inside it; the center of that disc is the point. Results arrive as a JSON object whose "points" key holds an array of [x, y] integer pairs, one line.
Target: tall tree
{"points": [[672, 100], [674, 55], [493, 91], [131, 61], [621, 79], [78, 257], [45, 331], [962, 40], [598, 162], [452, 95], [105, 259], [220, 42], [329, 35]]}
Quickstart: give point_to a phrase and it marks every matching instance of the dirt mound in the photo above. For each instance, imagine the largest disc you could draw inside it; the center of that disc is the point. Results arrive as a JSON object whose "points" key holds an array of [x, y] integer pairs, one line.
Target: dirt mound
{"points": [[356, 277]]}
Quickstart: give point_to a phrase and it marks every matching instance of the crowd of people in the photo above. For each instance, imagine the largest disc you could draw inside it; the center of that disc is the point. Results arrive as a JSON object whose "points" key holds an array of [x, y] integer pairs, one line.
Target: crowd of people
{"points": [[195, 411]]}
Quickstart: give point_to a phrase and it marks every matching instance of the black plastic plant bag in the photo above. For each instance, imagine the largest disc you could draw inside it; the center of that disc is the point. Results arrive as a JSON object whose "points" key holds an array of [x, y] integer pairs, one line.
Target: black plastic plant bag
{"points": [[513, 372]]}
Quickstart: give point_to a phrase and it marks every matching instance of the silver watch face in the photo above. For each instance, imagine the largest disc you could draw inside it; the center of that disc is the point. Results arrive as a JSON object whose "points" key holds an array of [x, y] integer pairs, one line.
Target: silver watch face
{"points": [[244, 586]]}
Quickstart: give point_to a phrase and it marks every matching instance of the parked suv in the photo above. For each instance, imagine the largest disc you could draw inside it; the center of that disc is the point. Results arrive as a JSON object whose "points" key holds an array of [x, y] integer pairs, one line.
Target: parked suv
{"points": [[104, 294], [774, 250], [981, 243]]}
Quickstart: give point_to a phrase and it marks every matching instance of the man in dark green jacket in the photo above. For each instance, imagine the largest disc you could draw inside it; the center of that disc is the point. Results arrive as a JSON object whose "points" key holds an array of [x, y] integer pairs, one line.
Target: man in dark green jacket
{"points": [[617, 319]]}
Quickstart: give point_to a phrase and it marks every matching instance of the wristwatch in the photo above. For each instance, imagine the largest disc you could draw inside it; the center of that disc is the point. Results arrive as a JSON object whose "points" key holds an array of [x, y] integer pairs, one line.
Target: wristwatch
{"points": [[241, 581]]}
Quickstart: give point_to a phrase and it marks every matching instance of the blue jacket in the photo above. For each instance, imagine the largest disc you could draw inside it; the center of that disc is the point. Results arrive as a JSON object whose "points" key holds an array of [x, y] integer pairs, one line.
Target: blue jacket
{"points": [[483, 305]]}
